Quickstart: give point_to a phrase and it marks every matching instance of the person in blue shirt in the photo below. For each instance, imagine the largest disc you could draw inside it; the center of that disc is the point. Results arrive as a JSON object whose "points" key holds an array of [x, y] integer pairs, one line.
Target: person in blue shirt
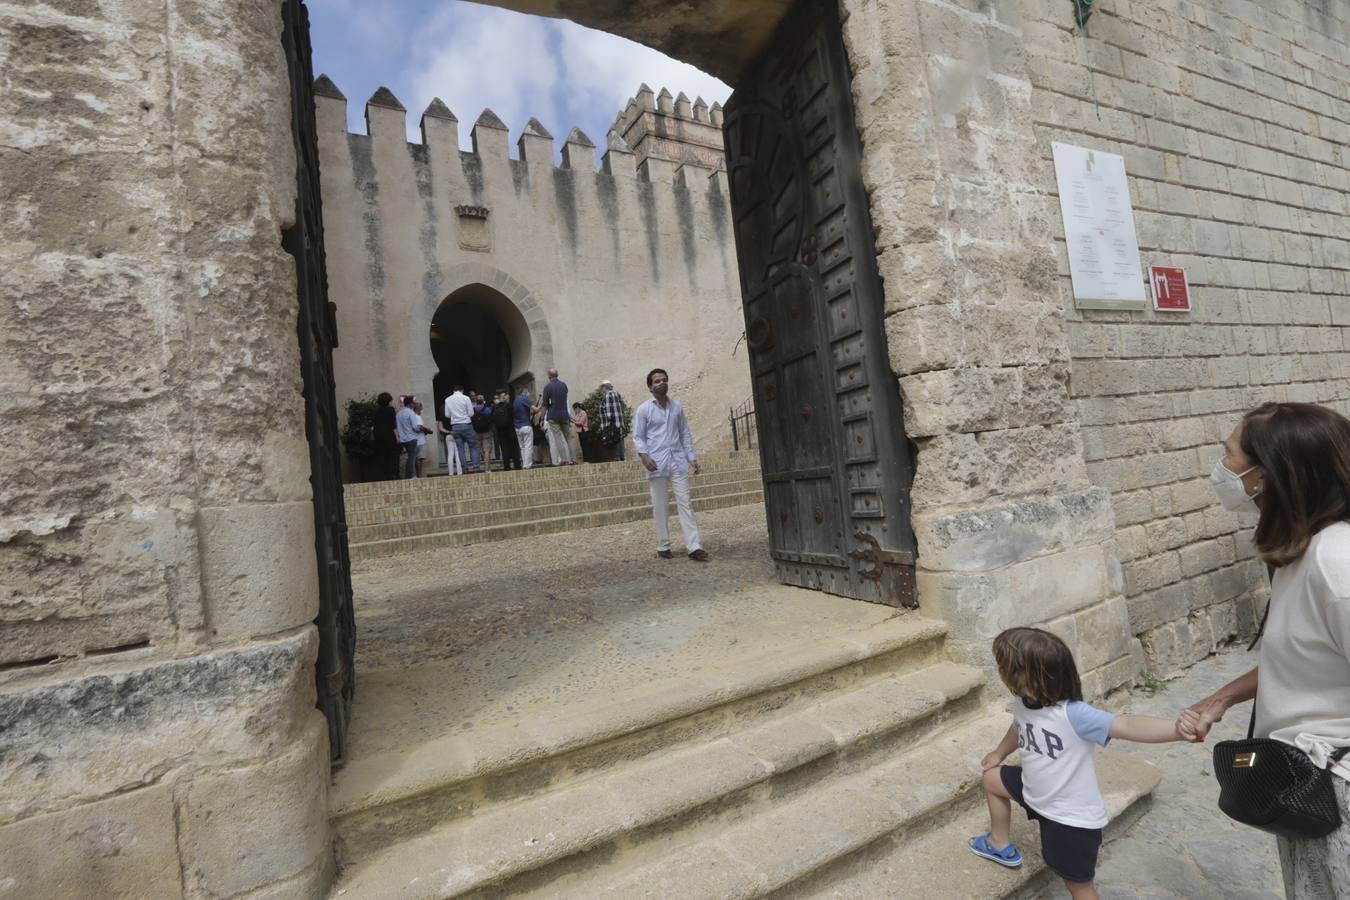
{"points": [[408, 424], [558, 420], [520, 410]]}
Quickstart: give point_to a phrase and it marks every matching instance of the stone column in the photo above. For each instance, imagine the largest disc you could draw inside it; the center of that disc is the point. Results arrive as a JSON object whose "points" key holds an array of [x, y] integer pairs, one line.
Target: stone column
{"points": [[1010, 530], [158, 735]]}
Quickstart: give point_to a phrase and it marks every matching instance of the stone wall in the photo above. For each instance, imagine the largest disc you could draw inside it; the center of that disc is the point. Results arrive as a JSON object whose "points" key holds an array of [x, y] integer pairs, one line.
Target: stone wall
{"points": [[158, 736], [1010, 528], [602, 274], [1232, 117]]}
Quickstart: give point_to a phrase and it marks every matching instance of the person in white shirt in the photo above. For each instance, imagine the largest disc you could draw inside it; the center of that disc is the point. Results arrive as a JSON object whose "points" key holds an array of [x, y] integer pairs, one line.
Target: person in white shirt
{"points": [[459, 413], [665, 446], [1290, 462], [422, 432], [1054, 732]]}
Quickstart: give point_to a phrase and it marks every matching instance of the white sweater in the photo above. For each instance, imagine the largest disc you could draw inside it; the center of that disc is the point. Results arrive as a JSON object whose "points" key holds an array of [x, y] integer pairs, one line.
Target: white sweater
{"points": [[1303, 685]]}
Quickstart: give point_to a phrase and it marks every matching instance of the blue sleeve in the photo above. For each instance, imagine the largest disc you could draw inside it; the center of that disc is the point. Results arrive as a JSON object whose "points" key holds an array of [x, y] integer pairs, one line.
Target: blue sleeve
{"points": [[1090, 723]]}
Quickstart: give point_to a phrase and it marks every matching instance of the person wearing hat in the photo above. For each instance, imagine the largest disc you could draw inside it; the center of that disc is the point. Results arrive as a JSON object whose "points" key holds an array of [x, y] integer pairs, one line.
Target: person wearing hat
{"points": [[610, 433]]}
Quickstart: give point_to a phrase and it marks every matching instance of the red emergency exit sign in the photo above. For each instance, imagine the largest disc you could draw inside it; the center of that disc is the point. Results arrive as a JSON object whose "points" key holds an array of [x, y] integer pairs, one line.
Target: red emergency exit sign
{"points": [[1170, 291]]}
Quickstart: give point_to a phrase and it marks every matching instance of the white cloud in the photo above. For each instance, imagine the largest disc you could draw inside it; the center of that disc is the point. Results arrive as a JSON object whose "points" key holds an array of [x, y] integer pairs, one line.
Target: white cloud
{"points": [[520, 66], [605, 70], [483, 57]]}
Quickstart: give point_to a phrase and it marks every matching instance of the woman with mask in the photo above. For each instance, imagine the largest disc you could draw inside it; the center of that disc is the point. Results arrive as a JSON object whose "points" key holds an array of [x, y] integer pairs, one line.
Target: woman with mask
{"points": [[1290, 462]]}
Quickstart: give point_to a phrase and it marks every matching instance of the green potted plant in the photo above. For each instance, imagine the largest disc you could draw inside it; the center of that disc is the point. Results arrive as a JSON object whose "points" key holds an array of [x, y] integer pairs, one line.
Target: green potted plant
{"points": [[358, 436]]}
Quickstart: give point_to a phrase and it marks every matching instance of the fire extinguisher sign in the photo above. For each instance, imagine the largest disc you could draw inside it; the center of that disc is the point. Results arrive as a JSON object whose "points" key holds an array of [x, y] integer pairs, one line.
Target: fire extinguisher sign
{"points": [[1170, 291]]}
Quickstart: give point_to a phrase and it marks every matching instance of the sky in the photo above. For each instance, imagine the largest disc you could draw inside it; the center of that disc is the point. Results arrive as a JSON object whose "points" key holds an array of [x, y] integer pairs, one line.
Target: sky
{"points": [[474, 56]]}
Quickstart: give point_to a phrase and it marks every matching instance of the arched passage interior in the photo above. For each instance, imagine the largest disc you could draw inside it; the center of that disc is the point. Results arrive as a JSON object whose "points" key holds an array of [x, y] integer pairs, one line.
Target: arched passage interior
{"points": [[479, 341]]}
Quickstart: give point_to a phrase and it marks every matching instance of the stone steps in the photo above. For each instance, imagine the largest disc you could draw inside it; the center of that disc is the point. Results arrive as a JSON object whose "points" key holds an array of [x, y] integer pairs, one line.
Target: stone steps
{"points": [[897, 829], [533, 838], [497, 483], [394, 518], [376, 549], [436, 506], [643, 754], [413, 524]]}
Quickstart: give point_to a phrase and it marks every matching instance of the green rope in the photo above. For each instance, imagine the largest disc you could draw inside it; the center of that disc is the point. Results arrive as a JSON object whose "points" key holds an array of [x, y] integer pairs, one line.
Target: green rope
{"points": [[1083, 10]]}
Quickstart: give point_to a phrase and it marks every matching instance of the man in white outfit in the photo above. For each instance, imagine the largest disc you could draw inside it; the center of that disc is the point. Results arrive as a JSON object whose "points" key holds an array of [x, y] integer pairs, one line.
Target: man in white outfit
{"points": [[665, 446]]}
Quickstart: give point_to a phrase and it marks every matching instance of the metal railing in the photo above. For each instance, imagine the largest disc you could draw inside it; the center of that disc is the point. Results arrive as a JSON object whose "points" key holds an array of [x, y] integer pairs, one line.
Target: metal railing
{"points": [[744, 426]]}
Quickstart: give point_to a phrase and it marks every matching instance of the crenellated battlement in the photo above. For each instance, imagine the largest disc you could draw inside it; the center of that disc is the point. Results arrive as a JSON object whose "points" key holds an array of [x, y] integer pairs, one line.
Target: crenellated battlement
{"points": [[665, 139]]}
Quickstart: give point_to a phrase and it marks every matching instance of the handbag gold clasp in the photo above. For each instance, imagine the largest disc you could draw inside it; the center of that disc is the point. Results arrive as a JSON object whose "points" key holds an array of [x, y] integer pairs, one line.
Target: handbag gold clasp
{"points": [[1244, 760]]}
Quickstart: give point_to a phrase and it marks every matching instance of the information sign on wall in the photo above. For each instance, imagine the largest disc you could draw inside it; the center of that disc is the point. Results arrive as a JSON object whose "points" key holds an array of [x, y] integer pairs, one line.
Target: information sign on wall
{"points": [[1170, 291], [1094, 198]]}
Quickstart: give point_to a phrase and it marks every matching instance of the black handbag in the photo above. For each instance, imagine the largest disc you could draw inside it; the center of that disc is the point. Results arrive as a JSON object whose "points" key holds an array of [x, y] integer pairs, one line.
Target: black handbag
{"points": [[1275, 786]]}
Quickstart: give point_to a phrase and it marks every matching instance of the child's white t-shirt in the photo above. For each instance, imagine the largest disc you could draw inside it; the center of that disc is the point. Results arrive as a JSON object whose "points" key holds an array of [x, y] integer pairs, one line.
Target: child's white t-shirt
{"points": [[1059, 780]]}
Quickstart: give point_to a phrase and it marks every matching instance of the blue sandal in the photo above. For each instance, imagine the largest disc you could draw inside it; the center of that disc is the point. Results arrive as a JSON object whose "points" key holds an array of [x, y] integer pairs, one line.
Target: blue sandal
{"points": [[1009, 856]]}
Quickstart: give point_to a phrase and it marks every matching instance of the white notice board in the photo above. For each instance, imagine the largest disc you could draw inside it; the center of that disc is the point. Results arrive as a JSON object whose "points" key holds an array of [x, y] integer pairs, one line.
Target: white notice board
{"points": [[1094, 198]]}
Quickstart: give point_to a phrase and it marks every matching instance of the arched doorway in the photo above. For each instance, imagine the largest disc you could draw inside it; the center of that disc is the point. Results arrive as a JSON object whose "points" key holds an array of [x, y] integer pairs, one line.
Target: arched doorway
{"points": [[480, 341]]}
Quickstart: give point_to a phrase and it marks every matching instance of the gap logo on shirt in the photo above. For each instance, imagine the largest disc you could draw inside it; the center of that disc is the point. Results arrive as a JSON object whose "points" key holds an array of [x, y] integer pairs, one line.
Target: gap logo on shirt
{"points": [[1026, 740]]}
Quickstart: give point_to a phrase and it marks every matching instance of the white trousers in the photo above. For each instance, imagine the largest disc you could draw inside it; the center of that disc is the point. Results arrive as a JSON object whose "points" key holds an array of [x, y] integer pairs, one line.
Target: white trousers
{"points": [[452, 454], [525, 436], [559, 444], [660, 488]]}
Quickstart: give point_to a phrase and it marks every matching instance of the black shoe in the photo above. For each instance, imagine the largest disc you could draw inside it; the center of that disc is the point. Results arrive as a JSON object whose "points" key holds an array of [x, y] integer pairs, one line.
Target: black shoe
{"points": [[665, 554], [699, 555]]}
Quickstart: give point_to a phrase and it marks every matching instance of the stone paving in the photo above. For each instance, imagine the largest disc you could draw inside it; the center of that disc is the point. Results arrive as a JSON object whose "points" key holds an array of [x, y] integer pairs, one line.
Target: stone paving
{"points": [[1184, 847]]}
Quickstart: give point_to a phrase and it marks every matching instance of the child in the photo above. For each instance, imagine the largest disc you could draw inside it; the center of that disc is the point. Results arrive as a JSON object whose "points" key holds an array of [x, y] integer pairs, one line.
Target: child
{"points": [[1054, 730]]}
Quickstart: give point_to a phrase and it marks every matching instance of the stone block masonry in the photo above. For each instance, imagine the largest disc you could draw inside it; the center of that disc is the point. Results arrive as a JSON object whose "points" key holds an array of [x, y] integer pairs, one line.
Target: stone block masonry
{"points": [[1231, 118], [603, 274], [153, 652], [1011, 531]]}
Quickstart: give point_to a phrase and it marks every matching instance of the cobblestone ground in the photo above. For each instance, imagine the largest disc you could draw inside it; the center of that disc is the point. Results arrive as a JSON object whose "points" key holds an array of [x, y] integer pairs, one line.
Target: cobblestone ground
{"points": [[1185, 847]]}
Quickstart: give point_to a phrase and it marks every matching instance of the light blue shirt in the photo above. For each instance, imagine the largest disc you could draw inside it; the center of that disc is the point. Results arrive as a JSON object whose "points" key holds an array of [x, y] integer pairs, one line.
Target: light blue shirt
{"points": [[663, 434], [406, 423]]}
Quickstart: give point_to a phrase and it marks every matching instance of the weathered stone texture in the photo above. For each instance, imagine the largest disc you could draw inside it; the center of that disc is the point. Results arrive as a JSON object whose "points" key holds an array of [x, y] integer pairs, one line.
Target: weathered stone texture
{"points": [[149, 370], [71, 740], [150, 363], [122, 848], [943, 100], [1231, 119]]}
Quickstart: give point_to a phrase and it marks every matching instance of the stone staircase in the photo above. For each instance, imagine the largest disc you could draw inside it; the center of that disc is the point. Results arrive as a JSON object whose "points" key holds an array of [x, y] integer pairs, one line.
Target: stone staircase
{"points": [[391, 518], [845, 765]]}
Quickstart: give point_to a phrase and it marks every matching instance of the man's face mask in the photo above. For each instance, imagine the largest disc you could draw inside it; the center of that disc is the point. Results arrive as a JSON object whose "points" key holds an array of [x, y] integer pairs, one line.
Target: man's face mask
{"points": [[660, 389]]}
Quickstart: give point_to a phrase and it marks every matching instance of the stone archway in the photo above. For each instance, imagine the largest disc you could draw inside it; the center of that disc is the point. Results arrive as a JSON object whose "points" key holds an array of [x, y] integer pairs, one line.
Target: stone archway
{"points": [[497, 301]]}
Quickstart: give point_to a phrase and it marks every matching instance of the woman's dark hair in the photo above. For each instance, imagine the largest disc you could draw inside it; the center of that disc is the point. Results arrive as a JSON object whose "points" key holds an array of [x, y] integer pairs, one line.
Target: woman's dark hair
{"points": [[384, 399], [1037, 666], [1304, 454], [653, 372]]}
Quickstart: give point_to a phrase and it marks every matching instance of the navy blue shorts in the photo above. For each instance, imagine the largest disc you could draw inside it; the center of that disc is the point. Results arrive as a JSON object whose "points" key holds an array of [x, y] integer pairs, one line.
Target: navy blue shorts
{"points": [[1070, 851]]}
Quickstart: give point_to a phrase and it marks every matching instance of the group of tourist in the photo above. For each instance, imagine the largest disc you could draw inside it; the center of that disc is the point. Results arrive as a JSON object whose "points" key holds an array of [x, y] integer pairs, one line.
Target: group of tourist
{"points": [[514, 432]]}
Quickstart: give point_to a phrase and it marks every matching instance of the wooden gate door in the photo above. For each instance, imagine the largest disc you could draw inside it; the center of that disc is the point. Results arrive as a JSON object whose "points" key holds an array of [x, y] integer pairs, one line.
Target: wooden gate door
{"points": [[837, 467], [318, 336]]}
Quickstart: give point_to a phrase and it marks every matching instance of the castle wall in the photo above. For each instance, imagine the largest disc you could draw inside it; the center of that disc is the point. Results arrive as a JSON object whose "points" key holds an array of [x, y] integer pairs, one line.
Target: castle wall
{"points": [[614, 272], [1232, 119], [158, 736], [1026, 411]]}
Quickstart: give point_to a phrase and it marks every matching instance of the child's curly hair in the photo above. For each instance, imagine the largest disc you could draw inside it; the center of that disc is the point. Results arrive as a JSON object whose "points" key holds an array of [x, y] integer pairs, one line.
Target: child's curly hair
{"points": [[1037, 666]]}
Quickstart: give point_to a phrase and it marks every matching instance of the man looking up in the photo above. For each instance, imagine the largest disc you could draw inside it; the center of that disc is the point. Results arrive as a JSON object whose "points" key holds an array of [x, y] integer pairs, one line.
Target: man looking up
{"points": [[558, 420], [664, 444]]}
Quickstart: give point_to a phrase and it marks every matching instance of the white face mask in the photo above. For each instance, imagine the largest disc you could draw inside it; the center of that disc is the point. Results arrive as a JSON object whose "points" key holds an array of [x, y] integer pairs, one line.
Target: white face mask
{"points": [[1228, 486]]}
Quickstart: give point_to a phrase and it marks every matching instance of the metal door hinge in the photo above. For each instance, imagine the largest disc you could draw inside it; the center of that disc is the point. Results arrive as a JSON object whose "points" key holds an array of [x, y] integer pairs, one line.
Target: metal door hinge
{"points": [[893, 570]]}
